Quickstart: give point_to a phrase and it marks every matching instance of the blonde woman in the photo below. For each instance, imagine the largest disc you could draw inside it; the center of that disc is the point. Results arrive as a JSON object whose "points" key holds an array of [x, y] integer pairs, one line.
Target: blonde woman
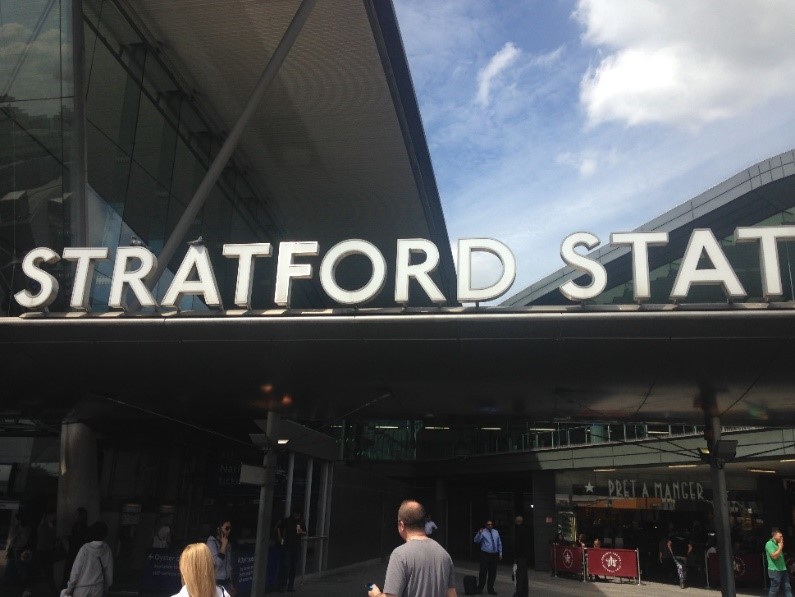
{"points": [[198, 573]]}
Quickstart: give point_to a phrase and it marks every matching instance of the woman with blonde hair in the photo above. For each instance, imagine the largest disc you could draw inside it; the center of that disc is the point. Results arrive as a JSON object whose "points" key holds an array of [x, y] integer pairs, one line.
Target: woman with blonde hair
{"points": [[198, 573]]}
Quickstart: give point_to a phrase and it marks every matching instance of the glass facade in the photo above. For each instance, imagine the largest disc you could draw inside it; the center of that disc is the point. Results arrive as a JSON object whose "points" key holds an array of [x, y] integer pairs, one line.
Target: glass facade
{"points": [[406, 440], [148, 147], [36, 107]]}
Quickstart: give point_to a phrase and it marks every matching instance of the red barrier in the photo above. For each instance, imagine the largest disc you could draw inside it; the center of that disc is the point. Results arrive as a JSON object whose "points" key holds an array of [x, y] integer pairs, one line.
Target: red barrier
{"points": [[567, 559], [748, 567], [620, 563]]}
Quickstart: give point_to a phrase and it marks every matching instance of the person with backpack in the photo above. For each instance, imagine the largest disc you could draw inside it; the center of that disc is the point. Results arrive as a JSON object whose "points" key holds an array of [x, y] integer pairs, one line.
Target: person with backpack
{"points": [[92, 571]]}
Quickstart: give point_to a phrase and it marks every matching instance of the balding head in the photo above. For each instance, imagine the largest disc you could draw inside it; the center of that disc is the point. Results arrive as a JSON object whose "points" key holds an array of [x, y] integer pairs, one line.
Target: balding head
{"points": [[412, 515]]}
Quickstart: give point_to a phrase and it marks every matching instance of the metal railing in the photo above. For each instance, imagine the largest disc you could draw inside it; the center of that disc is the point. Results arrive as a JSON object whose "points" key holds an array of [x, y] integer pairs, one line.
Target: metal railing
{"points": [[414, 440]]}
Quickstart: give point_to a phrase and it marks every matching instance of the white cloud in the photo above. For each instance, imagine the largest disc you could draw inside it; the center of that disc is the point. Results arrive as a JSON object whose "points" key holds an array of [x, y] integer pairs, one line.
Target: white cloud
{"points": [[585, 164], [498, 63], [548, 59], [528, 172], [685, 63]]}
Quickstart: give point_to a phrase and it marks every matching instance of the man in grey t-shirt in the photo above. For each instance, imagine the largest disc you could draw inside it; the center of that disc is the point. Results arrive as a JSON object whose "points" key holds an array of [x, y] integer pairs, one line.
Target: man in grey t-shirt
{"points": [[420, 566]]}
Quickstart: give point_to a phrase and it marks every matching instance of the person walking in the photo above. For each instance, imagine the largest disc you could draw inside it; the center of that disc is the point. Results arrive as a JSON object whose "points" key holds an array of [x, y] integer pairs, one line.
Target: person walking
{"points": [[198, 573], [523, 544], [92, 570], [221, 551], [776, 564], [420, 566], [289, 532], [78, 536], [45, 553], [490, 554], [430, 525]]}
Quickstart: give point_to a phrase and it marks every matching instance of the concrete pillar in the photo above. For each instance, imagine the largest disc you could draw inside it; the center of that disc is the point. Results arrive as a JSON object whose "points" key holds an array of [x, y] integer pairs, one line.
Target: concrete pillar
{"points": [[544, 517], [78, 482]]}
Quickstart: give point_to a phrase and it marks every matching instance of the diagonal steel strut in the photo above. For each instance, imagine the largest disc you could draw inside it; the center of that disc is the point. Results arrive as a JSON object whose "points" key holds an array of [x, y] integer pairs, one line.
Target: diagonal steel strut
{"points": [[225, 153]]}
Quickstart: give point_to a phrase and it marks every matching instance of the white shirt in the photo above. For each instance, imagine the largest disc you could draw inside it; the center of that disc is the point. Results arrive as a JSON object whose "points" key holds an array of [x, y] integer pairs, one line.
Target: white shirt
{"points": [[430, 527], [219, 592]]}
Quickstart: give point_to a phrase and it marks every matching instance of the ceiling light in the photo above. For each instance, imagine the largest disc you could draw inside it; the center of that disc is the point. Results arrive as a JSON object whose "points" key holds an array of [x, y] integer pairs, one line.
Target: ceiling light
{"points": [[603, 470], [653, 432], [491, 428], [767, 471], [788, 460], [682, 465], [281, 442], [387, 427], [436, 428], [541, 429]]}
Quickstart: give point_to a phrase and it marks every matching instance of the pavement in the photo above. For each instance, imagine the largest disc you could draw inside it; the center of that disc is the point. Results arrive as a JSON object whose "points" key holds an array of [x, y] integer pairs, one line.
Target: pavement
{"points": [[352, 582]]}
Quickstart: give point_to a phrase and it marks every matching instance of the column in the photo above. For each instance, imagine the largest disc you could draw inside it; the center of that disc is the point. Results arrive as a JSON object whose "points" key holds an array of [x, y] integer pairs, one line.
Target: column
{"points": [[78, 481], [544, 517]]}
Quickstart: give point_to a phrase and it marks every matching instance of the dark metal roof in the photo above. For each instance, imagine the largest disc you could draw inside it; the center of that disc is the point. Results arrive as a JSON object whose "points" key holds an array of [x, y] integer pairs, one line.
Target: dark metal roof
{"points": [[601, 364]]}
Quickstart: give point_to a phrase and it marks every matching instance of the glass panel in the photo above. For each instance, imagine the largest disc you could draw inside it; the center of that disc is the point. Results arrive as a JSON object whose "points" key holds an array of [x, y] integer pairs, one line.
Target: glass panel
{"points": [[146, 207], [108, 168], [155, 141], [31, 49], [112, 102]]}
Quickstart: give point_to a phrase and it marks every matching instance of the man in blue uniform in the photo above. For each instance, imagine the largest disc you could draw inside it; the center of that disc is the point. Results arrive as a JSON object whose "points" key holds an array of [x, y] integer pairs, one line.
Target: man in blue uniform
{"points": [[488, 538]]}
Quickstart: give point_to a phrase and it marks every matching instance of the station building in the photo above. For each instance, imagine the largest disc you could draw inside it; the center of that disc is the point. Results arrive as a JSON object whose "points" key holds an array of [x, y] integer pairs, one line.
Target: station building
{"points": [[201, 128]]}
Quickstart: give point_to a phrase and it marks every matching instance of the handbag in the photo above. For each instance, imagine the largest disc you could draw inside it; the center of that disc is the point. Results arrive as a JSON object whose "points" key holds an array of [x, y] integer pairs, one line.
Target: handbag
{"points": [[680, 570]]}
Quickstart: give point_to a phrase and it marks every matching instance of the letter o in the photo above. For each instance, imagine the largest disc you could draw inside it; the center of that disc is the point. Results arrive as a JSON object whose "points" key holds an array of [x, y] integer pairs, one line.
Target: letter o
{"points": [[339, 252]]}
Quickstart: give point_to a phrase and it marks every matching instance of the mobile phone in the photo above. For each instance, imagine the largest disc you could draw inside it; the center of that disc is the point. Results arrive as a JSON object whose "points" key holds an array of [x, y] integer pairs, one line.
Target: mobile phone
{"points": [[370, 585]]}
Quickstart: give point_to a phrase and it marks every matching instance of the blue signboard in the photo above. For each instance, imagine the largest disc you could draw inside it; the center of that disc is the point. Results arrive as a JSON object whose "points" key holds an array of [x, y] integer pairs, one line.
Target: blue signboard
{"points": [[244, 568], [161, 572]]}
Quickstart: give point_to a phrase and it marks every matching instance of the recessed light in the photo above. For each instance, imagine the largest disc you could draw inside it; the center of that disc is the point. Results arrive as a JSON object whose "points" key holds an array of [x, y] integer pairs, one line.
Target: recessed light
{"points": [[603, 470]]}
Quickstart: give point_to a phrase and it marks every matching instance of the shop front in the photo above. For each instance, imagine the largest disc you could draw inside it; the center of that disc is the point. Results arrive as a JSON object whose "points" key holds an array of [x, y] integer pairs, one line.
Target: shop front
{"points": [[644, 508]]}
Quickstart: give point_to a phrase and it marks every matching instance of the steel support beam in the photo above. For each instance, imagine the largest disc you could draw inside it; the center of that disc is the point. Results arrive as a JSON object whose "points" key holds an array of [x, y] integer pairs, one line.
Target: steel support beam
{"points": [[720, 499], [260, 577], [310, 468], [288, 499], [78, 206]]}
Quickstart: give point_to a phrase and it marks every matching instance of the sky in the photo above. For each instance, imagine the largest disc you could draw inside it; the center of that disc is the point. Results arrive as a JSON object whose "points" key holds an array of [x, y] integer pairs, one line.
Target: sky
{"points": [[547, 117]]}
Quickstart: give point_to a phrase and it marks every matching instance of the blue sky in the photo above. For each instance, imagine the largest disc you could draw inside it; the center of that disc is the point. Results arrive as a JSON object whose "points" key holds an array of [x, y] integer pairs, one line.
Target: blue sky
{"points": [[546, 117]]}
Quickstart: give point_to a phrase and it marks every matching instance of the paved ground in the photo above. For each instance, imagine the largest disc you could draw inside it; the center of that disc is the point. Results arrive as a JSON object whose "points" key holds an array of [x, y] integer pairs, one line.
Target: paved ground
{"points": [[352, 582]]}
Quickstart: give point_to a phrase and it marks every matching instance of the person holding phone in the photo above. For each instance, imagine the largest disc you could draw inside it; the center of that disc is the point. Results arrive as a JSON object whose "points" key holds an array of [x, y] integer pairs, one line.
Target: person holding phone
{"points": [[418, 567], [777, 565], [488, 538], [289, 532], [221, 551]]}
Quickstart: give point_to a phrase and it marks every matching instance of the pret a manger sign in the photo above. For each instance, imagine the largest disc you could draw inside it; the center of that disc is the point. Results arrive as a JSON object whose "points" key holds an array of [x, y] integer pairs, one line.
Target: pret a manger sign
{"points": [[134, 267]]}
